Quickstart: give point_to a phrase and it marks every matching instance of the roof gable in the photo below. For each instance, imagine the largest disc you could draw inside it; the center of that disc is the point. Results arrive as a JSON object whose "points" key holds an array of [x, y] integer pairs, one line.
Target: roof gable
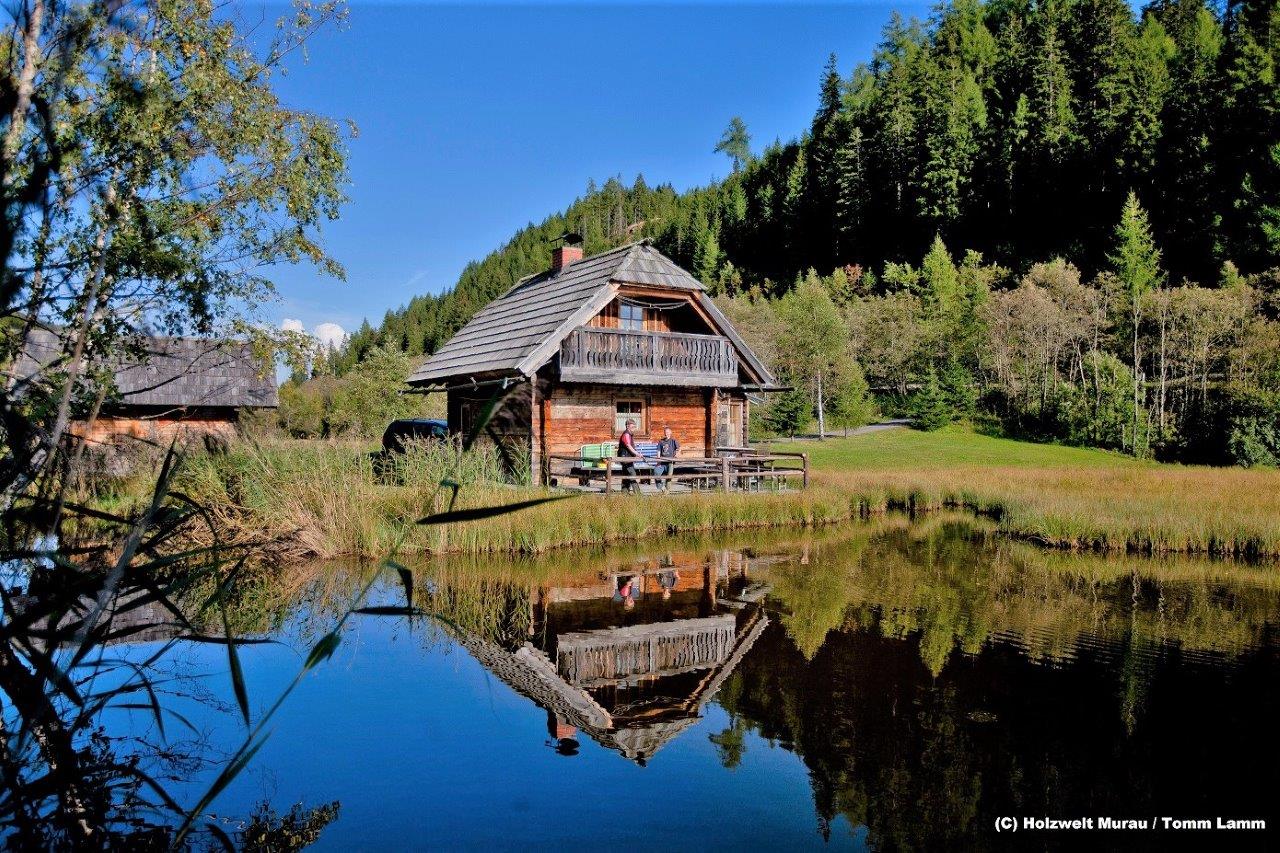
{"points": [[522, 329]]}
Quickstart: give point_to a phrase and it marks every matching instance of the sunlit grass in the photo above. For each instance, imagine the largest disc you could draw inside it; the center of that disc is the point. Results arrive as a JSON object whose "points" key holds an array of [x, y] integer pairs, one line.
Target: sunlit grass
{"points": [[1060, 496], [323, 499]]}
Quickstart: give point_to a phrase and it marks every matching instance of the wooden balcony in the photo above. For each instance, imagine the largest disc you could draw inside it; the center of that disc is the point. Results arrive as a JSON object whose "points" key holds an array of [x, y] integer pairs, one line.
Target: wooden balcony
{"points": [[622, 357]]}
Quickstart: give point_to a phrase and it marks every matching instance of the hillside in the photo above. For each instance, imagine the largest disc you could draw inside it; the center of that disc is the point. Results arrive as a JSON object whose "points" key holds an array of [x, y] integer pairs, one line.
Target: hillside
{"points": [[1009, 128]]}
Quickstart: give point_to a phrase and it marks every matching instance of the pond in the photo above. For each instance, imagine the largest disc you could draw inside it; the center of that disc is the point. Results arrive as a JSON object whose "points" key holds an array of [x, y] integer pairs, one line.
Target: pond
{"points": [[889, 685]]}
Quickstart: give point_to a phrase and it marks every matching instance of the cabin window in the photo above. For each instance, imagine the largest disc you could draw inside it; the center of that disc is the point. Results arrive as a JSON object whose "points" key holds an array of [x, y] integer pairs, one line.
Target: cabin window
{"points": [[631, 317], [629, 410]]}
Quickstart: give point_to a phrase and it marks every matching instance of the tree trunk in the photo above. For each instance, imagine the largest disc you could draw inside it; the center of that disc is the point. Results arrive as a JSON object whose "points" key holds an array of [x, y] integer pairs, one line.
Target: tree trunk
{"points": [[1164, 373], [822, 423], [1137, 387]]}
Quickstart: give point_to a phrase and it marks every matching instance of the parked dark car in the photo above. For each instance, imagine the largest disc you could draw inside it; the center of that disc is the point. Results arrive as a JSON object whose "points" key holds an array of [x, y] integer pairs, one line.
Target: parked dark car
{"points": [[400, 433], [397, 438]]}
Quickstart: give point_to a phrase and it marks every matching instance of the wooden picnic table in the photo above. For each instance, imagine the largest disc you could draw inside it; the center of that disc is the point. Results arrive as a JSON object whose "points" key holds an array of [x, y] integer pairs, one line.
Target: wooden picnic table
{"points": [[747, 471]]}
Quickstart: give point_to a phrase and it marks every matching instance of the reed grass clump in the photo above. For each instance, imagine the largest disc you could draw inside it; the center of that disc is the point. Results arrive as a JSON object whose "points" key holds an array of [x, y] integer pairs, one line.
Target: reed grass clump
{"points": [[327, 499]]}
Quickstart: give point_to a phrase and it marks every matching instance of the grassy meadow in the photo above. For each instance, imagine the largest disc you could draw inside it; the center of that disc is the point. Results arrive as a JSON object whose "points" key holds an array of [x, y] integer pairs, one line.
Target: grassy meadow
{"points": [[313, 498], [1065, 497]]}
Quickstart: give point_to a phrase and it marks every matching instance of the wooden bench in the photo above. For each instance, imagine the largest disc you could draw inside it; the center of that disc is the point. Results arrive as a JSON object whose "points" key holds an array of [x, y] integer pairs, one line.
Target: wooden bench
{"points": [[595, 458]]}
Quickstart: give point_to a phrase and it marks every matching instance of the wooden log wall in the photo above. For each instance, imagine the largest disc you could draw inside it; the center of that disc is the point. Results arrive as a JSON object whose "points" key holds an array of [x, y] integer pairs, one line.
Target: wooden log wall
{"points": [[584, 414], [119, 430]]}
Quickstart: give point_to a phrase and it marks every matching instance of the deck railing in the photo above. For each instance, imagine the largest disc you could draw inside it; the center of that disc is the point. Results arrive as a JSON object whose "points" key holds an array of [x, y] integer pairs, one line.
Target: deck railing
{"points": [[616, 355], [764, 472]]}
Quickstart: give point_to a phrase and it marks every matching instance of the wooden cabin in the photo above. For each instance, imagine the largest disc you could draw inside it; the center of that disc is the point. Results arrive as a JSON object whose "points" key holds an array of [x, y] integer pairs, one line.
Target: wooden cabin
{"points": [[632, 678], [188, 388], [577, 350]]}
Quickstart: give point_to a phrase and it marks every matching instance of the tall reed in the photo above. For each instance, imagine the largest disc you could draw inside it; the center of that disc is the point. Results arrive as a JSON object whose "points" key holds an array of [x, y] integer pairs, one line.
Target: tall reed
{"points": [[326, 499]]}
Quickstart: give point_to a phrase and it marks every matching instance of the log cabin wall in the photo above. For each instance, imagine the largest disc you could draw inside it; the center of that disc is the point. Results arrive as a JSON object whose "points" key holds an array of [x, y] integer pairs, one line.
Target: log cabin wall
{"points": [[575, 415], [654, 320]]}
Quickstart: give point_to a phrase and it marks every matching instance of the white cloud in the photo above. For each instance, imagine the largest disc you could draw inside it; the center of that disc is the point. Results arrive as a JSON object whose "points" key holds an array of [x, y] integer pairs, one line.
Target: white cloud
{"points": [[291, 325], [330, 335]]}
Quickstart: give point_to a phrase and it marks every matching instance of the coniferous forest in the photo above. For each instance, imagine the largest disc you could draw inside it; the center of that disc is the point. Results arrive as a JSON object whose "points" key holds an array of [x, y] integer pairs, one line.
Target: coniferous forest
{"points": [[1062, 216]]}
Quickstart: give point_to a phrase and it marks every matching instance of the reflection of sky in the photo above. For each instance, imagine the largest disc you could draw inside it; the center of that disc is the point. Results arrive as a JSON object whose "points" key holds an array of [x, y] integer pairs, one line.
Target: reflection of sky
{"points": [[931, 667], [423, 748], [16, 574]]}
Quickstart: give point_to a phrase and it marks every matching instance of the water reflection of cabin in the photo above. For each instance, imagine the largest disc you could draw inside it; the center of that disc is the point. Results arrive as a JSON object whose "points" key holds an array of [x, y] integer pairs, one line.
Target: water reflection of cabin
{"points": [[590, 343], [633, 676]]}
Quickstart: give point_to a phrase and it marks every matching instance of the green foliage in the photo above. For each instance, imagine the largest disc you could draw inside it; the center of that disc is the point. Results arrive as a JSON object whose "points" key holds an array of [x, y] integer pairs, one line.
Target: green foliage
{"points": [[360, 403], [941, 281], [789, 412], [1101, 412], [849, 404], [959, 390], [735, 143], [813, 346], [931, 409], [1253, 432], [1136, 260]]}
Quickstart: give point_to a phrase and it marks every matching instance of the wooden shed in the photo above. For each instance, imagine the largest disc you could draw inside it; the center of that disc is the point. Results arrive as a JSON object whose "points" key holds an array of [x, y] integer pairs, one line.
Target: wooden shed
{"points": [[590, 343], [184, 387]]}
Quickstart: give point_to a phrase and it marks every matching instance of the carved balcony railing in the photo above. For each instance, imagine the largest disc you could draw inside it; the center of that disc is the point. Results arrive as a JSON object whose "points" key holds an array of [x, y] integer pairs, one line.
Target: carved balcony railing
{"points": [[621, 357]]}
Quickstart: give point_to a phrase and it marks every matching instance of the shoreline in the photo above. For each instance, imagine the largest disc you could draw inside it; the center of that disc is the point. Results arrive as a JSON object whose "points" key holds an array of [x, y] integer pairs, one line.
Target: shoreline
{"points": [[321, 500]]}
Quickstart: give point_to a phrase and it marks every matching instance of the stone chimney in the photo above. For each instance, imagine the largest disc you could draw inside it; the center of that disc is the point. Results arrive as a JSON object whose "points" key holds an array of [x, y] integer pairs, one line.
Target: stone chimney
{"points": [[567, 252]]}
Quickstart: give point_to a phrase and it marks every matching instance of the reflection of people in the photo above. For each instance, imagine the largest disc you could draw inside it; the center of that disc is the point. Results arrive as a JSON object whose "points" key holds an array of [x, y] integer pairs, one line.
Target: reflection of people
{"points": [[627, 591], [668, 580], [564, 735], [627, 450], [668, 447]]}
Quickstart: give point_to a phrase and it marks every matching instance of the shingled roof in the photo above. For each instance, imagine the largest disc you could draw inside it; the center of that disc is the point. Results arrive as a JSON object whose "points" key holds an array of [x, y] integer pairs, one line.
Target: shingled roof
{"points": [[521, 330], [174, 372]]}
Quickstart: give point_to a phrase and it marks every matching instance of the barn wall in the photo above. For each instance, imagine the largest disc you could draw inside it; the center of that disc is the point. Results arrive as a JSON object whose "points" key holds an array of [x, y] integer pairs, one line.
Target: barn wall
{"points": [[119, 431]]}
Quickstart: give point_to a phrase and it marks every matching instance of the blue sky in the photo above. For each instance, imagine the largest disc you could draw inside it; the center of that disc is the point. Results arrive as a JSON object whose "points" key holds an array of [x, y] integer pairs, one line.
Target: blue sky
{"points": [[475, 120]]}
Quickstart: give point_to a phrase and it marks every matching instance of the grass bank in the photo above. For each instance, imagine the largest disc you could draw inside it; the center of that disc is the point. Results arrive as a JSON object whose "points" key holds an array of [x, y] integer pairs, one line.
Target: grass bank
{"points": [[1065, 497], [321, 499]]}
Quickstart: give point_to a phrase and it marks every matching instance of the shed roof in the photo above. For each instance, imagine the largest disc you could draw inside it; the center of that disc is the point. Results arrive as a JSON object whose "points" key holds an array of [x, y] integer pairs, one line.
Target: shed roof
{"points": [[518, 332], [174, 372]]}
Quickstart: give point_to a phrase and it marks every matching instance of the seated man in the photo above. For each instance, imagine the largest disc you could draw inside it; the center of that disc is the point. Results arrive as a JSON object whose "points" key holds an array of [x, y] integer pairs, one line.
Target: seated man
{"points": [[668, 447], [627, 450]]}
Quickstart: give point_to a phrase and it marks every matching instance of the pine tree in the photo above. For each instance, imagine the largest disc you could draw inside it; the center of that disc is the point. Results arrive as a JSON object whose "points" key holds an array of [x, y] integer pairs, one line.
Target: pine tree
{"points": [[1185, 174], [930, 409], [707, 256], [1136, 263], [789, 412], [735, 143], [941, 282]]}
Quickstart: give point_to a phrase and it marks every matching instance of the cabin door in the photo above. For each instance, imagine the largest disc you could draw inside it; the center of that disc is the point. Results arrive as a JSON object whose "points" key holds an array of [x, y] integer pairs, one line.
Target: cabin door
{"points": [[729, 432]]}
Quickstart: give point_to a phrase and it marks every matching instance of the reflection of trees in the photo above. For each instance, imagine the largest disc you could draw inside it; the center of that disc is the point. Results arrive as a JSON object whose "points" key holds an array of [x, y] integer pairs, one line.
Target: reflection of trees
{"points": [[909, 673], [926, 762], [952, 589]]}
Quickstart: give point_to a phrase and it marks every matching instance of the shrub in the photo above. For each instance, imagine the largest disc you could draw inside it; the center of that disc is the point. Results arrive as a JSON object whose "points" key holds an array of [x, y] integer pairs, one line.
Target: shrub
{"points": [[1101, 413], [931, 410], [789, 412], [1253, 433]]}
